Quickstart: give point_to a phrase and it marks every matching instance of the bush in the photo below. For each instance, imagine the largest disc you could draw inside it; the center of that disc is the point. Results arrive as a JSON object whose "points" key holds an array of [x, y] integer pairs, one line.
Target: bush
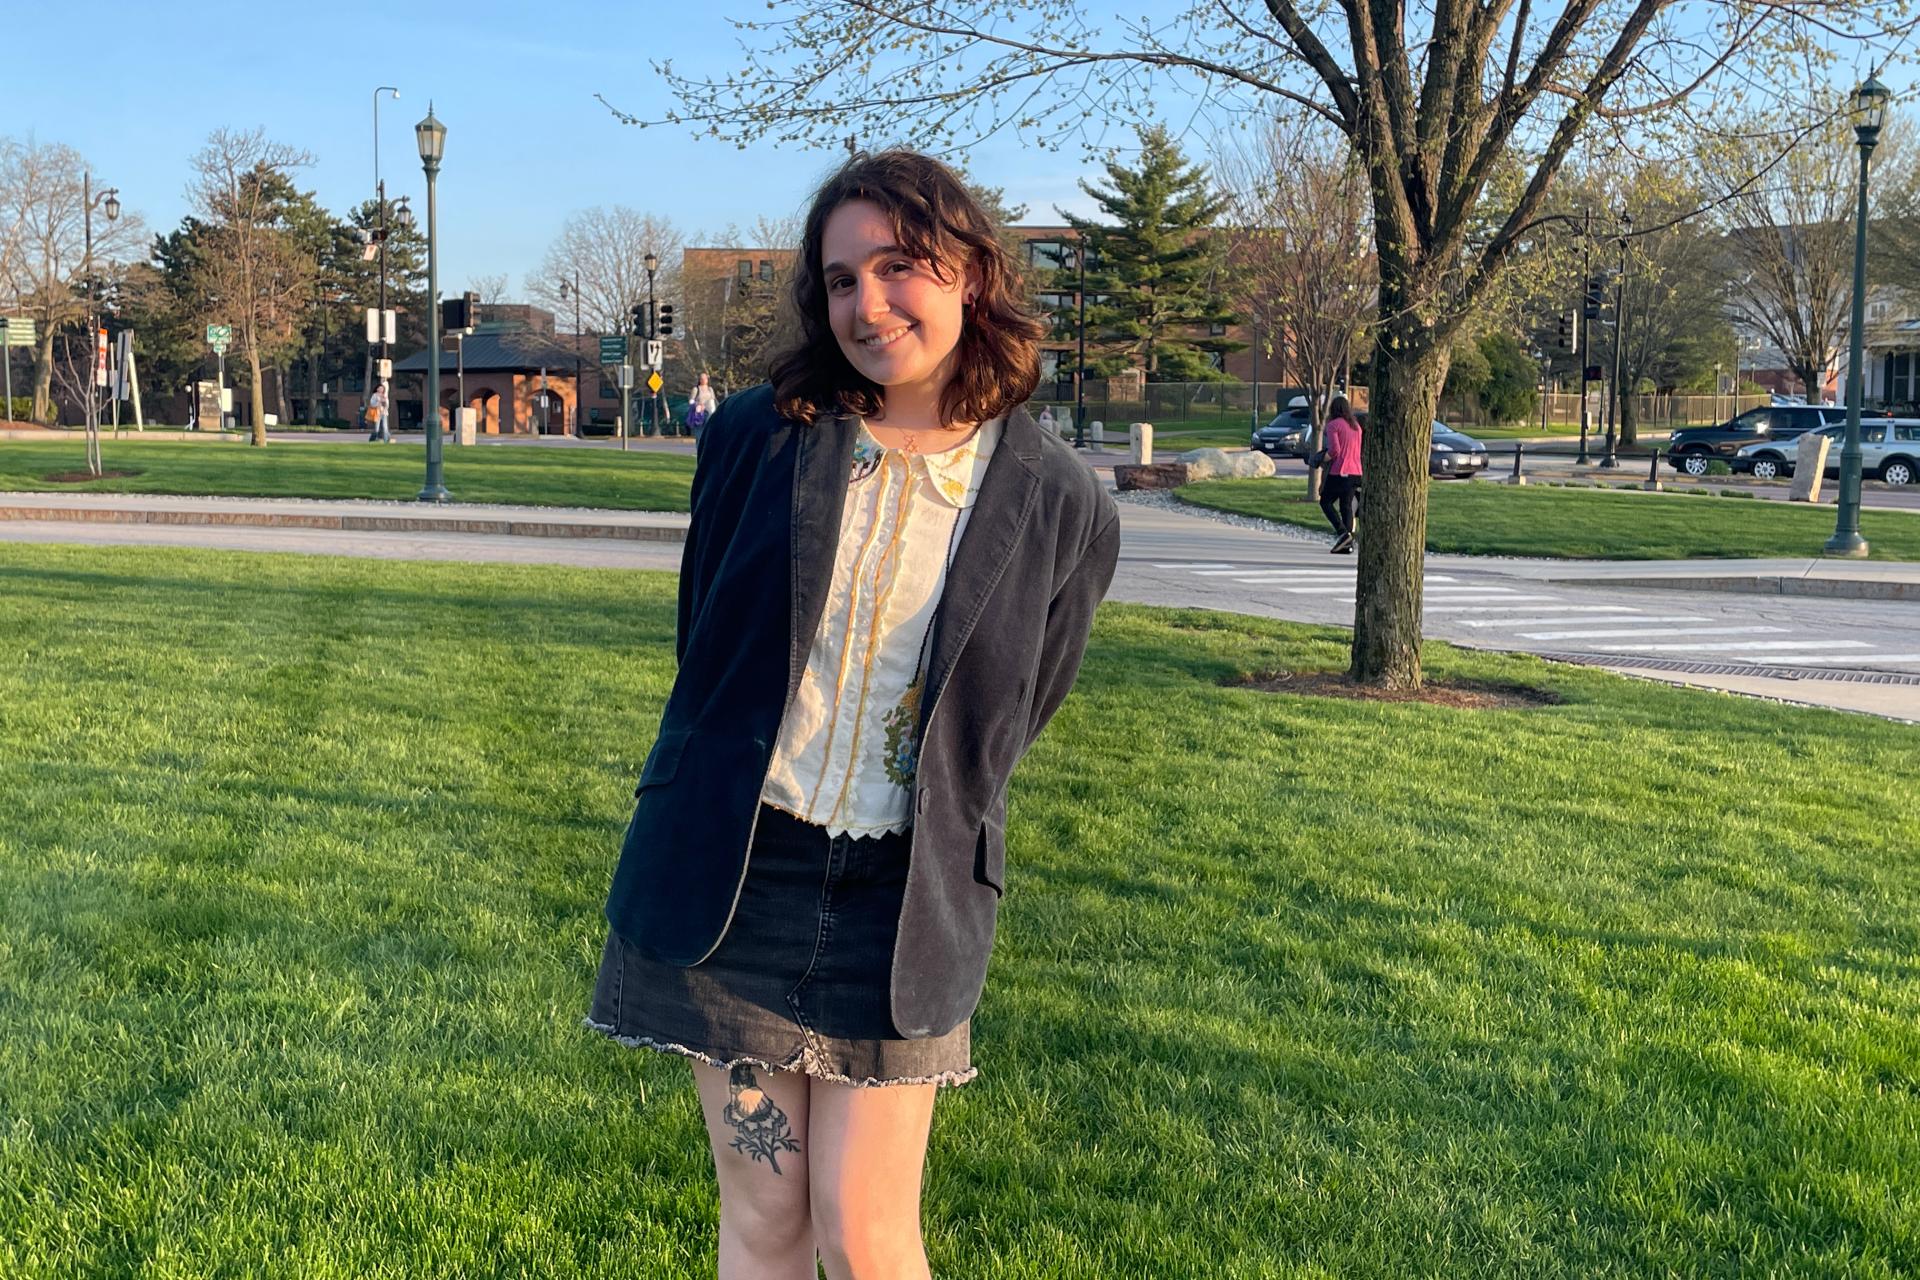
{"points": [[17, 409], [1718, 468]]}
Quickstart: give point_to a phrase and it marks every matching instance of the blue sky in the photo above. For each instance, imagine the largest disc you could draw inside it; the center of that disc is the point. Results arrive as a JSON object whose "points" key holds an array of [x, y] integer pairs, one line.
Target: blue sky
{"points": [[526, 143], [514, 83]]}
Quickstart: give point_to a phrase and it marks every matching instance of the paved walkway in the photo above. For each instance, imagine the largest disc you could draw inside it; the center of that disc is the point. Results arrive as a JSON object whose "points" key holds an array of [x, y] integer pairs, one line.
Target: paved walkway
{"points": [[1855, 645]]}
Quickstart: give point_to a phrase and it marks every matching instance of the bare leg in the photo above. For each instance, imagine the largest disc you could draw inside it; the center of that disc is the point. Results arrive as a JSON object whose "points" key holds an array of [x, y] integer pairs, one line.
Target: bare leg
{"points": [[757, 1121], [869, 1150]]}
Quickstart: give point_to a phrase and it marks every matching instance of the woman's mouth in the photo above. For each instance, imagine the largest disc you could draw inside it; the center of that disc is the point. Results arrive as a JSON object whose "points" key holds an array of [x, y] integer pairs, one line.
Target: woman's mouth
{"points": [[886, 339]]}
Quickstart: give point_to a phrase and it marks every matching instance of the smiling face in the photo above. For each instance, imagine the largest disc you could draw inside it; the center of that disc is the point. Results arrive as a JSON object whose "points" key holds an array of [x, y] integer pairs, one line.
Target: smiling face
{"points": [[896, 320]]}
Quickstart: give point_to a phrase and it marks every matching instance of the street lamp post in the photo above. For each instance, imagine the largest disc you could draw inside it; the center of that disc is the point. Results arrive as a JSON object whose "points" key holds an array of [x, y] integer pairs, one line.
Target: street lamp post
{"points": [[652, 262], [1869, 111], [380, 237], [111, 196], [579, 387], [1617, 402], [432, 137]]}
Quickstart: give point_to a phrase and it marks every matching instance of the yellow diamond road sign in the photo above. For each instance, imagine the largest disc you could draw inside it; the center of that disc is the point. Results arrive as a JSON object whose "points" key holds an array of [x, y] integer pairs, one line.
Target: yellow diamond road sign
{"points": [[653, 381]]}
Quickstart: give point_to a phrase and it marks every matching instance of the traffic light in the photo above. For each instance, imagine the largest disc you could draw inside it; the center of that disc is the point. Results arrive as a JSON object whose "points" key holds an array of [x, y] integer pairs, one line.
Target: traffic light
{"points": [[1569, 334], [1596, 295], [638, 316], [666, 320]]}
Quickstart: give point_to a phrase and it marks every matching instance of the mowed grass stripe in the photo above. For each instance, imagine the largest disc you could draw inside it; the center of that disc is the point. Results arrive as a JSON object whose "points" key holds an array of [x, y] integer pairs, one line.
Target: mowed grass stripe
{"points": [[303, 861], [1586, 524], [526, 474]]}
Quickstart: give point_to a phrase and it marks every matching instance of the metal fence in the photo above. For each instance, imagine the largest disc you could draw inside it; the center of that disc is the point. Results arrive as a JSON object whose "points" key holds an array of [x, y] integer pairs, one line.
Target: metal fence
{"points": [[1168, 405], [1202, 406]]}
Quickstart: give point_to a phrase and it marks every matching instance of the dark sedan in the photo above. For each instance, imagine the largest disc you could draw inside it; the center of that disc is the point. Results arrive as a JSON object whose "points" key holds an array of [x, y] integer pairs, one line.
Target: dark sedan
{"points": [[1454, 453], [1287, 435]]}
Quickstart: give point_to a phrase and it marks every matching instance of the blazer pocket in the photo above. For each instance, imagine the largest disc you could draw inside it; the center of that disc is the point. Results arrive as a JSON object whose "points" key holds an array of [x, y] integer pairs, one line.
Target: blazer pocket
{"points": [[663, 761], [990, 856]]}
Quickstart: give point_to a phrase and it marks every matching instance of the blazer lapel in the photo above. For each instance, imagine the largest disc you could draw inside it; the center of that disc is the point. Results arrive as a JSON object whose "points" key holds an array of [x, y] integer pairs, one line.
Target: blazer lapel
{"points": [[994, 528], [823, 463]]}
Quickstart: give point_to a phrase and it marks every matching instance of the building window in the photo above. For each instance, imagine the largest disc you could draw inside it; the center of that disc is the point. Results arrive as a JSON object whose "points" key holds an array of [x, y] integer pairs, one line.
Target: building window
{"points": [[1049, 255], [766, 268], [745, 268], [1218, 360], [608, 391], [1216, 330]]}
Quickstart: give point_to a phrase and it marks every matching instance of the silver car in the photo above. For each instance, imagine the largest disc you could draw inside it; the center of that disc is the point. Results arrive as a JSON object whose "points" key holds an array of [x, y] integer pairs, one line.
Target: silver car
{"points": [[1889, 451]]}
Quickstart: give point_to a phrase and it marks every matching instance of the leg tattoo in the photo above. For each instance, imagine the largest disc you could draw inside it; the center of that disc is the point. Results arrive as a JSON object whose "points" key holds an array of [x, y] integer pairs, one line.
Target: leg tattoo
{"points": [[763, 1129]]}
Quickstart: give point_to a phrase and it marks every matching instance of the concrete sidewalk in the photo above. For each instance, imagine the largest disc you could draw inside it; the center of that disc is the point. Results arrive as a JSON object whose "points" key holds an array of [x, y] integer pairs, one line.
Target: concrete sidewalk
{"points": [[357, 515]]}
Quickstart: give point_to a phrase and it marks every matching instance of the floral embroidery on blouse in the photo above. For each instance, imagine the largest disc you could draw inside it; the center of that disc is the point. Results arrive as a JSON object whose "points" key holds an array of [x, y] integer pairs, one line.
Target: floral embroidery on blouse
{"points": [[848, 753]]}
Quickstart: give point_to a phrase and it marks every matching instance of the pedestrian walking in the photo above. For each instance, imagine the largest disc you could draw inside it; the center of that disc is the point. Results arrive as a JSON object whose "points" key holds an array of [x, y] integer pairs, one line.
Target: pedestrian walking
{"points": [[1340, 487], [377, 415], [806, 893], [701, 403]]}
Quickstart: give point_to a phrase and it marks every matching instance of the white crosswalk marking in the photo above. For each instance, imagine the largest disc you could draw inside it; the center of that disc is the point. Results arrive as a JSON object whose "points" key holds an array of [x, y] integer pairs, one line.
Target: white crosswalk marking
{"points": [[1531, 608], [1483, 594], [1663, 631], [1729, 646], [1317, 591], [1211, 564], [1488, 591], [1540, 622]]}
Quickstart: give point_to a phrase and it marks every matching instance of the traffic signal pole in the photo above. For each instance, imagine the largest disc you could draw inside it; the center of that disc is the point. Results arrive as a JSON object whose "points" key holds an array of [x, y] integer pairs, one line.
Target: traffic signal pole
{"points": [[1586, 277]]}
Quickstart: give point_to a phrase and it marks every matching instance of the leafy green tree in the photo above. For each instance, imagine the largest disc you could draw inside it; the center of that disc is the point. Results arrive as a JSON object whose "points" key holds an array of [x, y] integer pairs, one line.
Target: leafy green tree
{"points": [[1153, 270]]}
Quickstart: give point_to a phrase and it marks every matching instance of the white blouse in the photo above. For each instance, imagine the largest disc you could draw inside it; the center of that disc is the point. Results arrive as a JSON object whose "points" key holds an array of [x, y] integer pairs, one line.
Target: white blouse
{"points": [[847, 750]]}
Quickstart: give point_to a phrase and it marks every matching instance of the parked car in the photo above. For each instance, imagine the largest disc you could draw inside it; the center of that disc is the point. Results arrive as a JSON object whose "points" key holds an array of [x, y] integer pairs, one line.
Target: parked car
{"points": [[1889, 451], [1454, 453], [1289, 433], [1770, 459], [1693, 449]]}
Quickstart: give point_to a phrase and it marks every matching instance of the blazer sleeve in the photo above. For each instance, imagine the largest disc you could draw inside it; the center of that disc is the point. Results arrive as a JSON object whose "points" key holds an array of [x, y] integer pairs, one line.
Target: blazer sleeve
{"points": [[1070, 622]]}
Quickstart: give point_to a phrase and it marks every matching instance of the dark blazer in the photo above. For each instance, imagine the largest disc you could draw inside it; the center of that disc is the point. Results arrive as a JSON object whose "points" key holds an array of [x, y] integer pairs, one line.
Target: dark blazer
{"points": [[1033, 564]]}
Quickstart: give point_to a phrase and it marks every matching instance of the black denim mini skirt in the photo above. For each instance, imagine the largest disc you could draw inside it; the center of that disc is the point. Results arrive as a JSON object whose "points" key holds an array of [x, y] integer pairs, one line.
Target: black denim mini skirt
{"points": [[800, 982]]}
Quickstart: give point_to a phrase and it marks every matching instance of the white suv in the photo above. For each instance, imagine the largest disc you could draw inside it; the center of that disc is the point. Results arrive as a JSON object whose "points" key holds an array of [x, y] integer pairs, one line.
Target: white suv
{"points": [[1889, 451]]}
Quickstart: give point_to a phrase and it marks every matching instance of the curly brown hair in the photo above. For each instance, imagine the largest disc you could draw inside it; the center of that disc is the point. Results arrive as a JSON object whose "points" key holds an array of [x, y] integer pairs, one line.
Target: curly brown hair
{"points": [[938, 221]]}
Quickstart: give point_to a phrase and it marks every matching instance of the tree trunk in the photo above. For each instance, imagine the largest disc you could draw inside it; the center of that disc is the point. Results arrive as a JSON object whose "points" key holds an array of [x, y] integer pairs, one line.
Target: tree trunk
{"points": [[1409, 369], [1811, 381], [280, 392], [1629, 422], [257, 400], [43, 378]]}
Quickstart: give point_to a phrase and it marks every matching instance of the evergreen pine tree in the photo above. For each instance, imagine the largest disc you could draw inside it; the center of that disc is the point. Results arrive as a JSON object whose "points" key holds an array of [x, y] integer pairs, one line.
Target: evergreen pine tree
{"points": [[1153, 268]]}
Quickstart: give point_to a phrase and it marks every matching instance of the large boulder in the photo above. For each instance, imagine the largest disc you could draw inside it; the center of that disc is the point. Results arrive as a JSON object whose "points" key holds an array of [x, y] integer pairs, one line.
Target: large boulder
{"points": [[1217, 464], [1251, 465], [1207, 464]]}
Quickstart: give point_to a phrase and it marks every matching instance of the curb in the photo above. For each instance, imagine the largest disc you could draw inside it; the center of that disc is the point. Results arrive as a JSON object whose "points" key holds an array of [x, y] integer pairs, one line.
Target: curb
{"points": [[1769, 585], [356, 523]]}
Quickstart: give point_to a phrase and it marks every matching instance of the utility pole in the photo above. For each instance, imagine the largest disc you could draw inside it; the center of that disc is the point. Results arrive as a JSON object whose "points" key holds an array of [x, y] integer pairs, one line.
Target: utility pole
{"points": [[1586, 285], [1080, 370]]}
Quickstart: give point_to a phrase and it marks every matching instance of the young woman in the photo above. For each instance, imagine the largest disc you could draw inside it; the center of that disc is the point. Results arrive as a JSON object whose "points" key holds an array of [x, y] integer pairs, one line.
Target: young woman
{"points": [[1340, 487], [888, 582]]}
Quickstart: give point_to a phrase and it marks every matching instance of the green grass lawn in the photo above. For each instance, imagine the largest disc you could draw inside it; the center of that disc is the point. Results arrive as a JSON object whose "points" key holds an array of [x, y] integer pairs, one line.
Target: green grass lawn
{"points": [[1481, 518], [303, 860], [636, 481]]}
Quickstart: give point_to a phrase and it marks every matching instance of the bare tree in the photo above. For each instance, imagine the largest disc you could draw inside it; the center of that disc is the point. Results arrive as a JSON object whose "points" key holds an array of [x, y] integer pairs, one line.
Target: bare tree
{"points": [[729, 319], [256, 276], [1440, 109], [1789, 241], [43, 217], [606, 248], [1300, 249], [490, 288]]}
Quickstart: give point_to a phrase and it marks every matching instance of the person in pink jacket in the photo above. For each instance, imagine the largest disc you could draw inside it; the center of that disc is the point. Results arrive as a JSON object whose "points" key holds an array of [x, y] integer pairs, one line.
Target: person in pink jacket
{"points": [[1340, 489]]}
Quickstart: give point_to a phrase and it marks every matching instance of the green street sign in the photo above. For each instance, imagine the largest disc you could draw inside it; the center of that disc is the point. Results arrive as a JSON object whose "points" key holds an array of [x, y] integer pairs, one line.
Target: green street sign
{"points": [[16, 332], [613, 350], [220, 336]]}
